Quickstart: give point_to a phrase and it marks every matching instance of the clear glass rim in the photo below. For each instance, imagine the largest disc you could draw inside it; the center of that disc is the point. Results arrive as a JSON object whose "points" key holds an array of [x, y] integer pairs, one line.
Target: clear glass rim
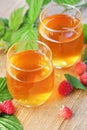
{"points": [[28, 70], [67, 29]]}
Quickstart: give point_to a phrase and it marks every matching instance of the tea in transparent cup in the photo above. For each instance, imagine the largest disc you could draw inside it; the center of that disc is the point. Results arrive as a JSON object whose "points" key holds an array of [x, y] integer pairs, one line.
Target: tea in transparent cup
{"points": [[30, 74], [61, 29]]}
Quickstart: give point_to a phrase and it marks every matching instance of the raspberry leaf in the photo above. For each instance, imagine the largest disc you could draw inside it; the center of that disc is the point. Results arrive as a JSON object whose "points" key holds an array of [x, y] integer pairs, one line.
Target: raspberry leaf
{"points": [[84, 56], [2, 28], [46, 2], [4, 93], [5, 21], [85, 33], [75, 82], [2, 127], [68, 1], [16, 18], [23, 34], [34, 10], [10, 122]]}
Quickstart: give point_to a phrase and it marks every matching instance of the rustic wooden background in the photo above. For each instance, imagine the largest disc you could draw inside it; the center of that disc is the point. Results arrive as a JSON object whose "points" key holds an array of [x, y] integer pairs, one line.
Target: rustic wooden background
{"points": [[46, 117]]}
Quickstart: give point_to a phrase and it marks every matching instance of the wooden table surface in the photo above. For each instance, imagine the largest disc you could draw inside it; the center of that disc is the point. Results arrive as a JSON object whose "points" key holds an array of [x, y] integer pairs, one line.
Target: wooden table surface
{"points": [[46, 116]]}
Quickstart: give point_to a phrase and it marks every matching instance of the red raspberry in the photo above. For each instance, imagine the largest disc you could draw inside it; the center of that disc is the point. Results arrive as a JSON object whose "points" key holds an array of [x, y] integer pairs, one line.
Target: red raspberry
{"points": [[83, 79], [0, 108], [65, 112], [65, 88], [7, 107], [80, 68]]}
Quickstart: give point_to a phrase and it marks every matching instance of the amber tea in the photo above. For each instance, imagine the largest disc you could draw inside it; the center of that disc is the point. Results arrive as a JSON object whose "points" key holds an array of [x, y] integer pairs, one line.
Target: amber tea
{"points": [[30, 75], [61, 29]]}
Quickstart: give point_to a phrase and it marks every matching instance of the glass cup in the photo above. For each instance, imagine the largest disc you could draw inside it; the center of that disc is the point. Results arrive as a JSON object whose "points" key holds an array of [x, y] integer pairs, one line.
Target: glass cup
{"points": [[30, 74], [61, 29]]}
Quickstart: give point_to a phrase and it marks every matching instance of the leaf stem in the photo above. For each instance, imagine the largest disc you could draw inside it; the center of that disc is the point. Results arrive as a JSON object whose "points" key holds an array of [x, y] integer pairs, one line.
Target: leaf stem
{"points": [[82, 4]]}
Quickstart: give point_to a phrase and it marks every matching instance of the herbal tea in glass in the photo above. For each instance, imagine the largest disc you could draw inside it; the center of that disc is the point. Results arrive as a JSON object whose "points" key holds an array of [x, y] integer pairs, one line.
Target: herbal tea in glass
{"points": [[61, 29], [30, 74]]}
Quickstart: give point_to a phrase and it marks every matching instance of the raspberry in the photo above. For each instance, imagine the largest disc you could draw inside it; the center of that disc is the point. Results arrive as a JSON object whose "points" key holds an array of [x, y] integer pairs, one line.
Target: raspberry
{"points": [[65, 88], [80, 68], [7, 107], [65, 112], [0, 108], [83, 79]]}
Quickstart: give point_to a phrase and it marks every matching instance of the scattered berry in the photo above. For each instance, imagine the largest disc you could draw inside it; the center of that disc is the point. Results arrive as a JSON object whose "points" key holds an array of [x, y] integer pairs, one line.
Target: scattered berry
{"points": [[65, 88], [83, 79], [80, 68], [7, 107], [65, 112]]}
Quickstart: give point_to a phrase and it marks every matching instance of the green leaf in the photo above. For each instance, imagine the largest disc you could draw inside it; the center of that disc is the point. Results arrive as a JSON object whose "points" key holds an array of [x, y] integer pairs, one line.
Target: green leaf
{"points": [[85, 32], [2, 127], [17, 35], [45, 2], [5, 21], [7, 35], [84, 56], [34, 9], [28, 2], [27, 45], [4, 93], [72, 2], [9, 122], [23, 34], [75, 82], [16, 18], [26, 19], [2, 28]]}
